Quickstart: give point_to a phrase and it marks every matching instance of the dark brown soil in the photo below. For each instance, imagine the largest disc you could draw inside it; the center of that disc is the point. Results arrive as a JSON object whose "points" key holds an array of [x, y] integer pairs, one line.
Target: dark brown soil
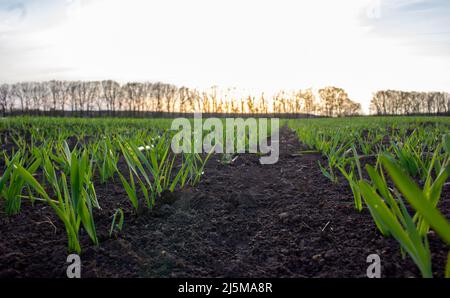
{"points": [[243, 220]]}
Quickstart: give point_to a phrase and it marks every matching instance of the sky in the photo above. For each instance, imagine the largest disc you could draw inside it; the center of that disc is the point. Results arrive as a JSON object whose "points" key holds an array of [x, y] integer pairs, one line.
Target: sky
{"points": [[258, 45]]}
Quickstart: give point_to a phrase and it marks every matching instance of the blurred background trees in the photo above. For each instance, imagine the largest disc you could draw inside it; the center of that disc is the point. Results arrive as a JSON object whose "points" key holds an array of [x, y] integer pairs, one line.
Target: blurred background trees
{"points": [[134, 98], [393, 102]]}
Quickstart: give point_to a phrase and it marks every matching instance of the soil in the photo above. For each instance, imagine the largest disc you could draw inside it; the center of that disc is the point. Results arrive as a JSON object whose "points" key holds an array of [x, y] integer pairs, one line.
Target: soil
{"points": [[243, 220]]}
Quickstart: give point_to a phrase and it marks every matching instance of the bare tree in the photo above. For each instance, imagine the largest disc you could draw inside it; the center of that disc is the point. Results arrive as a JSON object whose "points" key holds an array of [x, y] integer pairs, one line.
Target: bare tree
{"points": [[4, 98], [111, 94], [135, 95], [40, 96], [59, 94], [21, 92]]}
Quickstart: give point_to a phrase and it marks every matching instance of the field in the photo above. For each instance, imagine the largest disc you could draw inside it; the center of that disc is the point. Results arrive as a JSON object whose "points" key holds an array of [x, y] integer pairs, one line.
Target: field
{"points": [[111, 191]]}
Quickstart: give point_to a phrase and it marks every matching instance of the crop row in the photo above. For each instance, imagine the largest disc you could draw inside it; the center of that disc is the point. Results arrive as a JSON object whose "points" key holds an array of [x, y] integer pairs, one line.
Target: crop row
{"points": [[392, 166], [54, 161]]}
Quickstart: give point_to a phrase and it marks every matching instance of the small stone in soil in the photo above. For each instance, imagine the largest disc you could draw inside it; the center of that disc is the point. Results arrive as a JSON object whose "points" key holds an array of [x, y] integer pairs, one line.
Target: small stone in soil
{"points": [[283, 215]]}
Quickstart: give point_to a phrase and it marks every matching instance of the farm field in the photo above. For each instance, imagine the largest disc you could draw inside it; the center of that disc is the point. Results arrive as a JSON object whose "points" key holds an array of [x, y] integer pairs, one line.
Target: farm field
{"points": [[111, 191]]}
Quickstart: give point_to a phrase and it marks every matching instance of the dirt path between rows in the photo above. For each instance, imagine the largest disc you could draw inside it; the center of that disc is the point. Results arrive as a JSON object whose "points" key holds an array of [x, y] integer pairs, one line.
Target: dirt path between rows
{"points": [[243, 220]]}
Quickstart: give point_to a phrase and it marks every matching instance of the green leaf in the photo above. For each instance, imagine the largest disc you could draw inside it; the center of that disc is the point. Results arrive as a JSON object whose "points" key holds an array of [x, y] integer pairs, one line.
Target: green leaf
{"points": [[130, 189], [446, 141], [75, 181], [31, 181], [407, 238], [417, 199]]}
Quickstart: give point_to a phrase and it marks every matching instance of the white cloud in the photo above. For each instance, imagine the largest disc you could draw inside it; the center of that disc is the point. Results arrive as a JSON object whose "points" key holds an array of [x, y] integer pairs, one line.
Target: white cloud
{"points": [[254, 43]]}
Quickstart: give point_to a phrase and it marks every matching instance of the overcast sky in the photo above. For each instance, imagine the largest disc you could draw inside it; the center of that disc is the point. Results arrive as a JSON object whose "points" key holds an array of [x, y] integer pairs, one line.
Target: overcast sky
{"points": [[360, 45]]}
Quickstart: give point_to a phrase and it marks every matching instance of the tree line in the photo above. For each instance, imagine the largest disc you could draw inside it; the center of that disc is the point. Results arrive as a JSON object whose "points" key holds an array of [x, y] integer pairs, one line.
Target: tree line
{"points": [[393, 102], [84, 97]]}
